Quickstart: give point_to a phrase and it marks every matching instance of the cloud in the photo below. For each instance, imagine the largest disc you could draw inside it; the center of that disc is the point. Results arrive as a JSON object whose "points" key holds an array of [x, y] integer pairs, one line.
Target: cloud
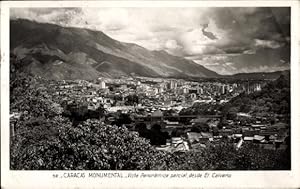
{"points": [[249, 51], [172, 44], [229, 63], [236, 49], [62, 16], [250, 38], [208, 34], [267, 44]]}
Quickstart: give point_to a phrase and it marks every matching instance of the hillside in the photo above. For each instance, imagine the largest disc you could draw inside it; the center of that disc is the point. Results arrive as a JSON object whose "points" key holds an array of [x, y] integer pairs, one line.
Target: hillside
{"points": [[274, 98], [260, 75], [57, 52]]}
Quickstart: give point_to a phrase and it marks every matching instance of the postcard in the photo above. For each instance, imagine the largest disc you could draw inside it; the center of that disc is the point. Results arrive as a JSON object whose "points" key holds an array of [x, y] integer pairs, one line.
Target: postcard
{"points": [[130, 94]]}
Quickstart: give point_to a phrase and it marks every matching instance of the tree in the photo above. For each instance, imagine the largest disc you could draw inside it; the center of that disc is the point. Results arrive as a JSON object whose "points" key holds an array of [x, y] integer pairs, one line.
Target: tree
{"points": [[157, 136], [56, 144], [132, 100], [200, 127], [123, 119]]}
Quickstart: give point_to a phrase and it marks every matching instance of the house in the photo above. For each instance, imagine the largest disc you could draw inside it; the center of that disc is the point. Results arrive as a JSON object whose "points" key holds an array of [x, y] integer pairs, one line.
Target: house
{"points": [[225, 132], [258, 138], [202, 137], [171, 124], [237, 135], [177, 144], [181, 147], [157, 113], [248, 139], [123, 109], [258, 125], [206, 135], [239, 143], [267, 133], [241, 114], [176, 140], [193, 137], [166, 148], [199, 120], [250, 133], [213, 123]]}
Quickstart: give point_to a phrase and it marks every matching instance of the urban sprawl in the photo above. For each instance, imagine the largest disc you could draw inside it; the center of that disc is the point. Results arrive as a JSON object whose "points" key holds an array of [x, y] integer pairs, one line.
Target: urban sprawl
{"points": [[158, 101]]}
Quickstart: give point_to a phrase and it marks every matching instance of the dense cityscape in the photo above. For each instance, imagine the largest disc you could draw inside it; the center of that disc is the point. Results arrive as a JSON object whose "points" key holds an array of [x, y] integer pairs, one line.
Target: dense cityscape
{"points": [[150, 101], [175, 116]]}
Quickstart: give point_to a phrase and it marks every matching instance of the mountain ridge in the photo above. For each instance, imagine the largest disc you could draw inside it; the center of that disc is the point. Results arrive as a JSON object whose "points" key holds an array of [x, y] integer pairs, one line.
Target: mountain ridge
{"points": [[48, 43], [58, 52], [260, 75]]}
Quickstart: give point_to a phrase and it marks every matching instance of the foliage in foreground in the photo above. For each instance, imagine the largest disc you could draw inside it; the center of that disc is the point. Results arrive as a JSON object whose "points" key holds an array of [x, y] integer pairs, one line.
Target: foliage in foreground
{"points": [[56, 144]]}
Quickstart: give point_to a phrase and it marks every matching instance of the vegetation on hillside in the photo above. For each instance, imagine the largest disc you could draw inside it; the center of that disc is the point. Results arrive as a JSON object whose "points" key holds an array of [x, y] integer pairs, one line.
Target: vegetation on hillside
{"points": [[274, 98]]}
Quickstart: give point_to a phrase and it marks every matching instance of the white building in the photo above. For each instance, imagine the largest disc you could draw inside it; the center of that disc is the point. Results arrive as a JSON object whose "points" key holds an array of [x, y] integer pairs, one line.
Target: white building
{"points": [[102, 85]]}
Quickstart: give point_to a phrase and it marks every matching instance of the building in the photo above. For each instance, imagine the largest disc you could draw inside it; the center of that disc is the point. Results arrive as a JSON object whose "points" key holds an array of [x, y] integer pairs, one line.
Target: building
{"points": [[193, 96], [172, 84], [200, 90], [223, 89], [185, 90], [157, 113], [102, 85], [258, 87]]}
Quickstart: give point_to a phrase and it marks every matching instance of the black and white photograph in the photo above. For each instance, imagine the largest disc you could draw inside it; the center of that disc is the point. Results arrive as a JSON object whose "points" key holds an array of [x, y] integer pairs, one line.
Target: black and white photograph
{"points": [[150, 88]]}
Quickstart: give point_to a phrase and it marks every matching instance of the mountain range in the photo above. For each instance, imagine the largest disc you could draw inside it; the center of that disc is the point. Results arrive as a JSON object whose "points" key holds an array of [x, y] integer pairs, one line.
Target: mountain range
{"points": [[56, 52]]}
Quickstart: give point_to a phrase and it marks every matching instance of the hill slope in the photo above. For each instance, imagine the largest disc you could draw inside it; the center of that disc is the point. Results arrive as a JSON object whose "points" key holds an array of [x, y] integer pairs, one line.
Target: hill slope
{"points": [[260, 75], [274, 98], [73, 53]]}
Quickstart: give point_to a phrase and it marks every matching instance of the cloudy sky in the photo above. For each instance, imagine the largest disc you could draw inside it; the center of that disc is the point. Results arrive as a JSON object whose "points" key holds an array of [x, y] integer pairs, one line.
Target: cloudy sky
{"points": [[225, 40]]}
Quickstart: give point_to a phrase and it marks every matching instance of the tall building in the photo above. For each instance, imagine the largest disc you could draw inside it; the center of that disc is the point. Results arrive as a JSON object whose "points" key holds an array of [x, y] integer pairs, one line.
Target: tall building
{"points": [[185, 90], [160, 89], [223, 89], [200, 90], [248, 88], [193, 96], [258, 87], [102, 85], [173, 84]]}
